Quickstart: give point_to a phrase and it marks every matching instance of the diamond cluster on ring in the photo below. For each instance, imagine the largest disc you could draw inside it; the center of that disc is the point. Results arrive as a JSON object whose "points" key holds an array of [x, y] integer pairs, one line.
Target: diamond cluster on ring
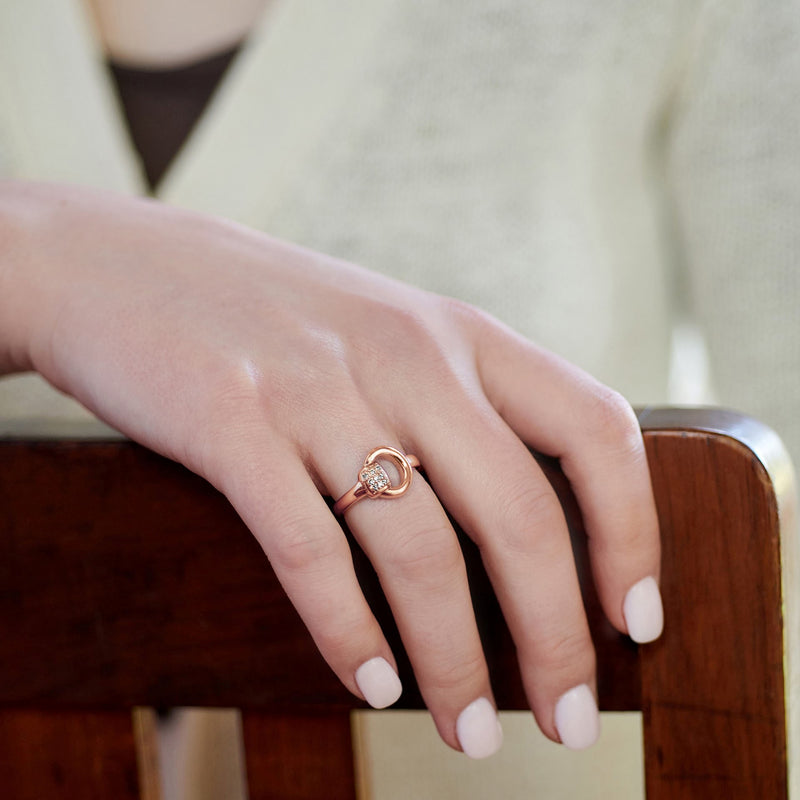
{"points": [[375, 479]]}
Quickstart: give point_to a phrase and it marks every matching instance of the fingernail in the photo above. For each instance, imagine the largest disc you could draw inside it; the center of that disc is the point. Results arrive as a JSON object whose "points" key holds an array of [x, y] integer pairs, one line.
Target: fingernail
{"points": [[378, 682], [643, 612], [577, 718], [478, 729]]}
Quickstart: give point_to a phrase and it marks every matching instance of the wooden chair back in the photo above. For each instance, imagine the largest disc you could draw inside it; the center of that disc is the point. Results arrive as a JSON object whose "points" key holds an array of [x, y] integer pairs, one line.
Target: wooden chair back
{"points": [[128, 582]]}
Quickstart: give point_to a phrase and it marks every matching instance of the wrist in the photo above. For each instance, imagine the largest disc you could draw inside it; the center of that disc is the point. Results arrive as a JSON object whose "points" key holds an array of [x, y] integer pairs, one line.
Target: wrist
{"points": [[14, 294], [26, 285]]}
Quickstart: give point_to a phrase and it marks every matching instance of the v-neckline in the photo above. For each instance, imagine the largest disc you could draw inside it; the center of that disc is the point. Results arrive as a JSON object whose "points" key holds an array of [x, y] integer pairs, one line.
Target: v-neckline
{"points": [[275, 104], [162, 105]]}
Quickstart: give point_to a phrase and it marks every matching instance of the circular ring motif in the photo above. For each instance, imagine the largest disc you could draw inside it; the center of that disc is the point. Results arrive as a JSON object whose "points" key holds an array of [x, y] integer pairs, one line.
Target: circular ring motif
{"points": [[374, 481], [402, 462]]}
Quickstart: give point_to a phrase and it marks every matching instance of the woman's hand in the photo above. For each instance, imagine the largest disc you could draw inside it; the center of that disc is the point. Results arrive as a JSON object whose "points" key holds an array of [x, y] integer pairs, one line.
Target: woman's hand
{"points": [[272, 371]]}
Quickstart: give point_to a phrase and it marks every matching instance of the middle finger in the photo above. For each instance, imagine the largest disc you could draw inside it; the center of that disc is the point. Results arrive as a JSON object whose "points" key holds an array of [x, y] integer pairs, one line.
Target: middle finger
{"points": [[507, 506]]}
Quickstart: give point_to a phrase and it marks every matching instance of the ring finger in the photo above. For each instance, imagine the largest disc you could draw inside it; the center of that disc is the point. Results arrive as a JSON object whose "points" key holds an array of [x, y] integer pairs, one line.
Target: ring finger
{"points": [[416, 554]]}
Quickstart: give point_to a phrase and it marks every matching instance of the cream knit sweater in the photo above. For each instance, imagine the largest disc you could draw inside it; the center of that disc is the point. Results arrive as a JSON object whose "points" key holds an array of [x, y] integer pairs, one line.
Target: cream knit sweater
{"points": [[590, 172]]}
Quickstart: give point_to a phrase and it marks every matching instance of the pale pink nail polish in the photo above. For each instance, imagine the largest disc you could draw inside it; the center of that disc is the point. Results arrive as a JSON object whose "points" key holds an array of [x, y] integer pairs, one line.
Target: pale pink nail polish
{"points": [[577, 718], [378, 682], [478, 729], [643, 611]]}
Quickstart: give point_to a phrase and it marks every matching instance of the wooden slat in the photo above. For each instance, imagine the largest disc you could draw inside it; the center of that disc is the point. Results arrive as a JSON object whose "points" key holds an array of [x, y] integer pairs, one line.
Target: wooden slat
{"points": [[712, 686], [69, 755], [299, 756], [145, 731]]}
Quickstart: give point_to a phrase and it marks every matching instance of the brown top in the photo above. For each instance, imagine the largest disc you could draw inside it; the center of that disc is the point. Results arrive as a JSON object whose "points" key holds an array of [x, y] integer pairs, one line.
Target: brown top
{"points": [[162, 106]]}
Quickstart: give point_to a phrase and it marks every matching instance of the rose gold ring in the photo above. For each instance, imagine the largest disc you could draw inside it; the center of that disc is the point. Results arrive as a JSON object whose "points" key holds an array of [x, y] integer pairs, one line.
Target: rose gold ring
{"points": [[374, 481]]}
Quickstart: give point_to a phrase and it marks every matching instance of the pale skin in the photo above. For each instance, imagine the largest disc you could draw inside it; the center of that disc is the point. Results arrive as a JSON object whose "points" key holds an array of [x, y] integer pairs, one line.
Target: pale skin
{"points": [[165, 33], [272, 371]]}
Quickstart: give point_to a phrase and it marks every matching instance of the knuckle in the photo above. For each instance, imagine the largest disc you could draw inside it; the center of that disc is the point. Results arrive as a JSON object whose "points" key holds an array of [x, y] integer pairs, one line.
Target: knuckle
{"points": [[301, 548], [234, 385], [457, 674], [341, 639], [611, 418], [310, 372], [403, 331], [232, 405], [526, 505], [392, 326], [424, 558], [567, 653], [394, 347], [467, 315], [280, 386]]}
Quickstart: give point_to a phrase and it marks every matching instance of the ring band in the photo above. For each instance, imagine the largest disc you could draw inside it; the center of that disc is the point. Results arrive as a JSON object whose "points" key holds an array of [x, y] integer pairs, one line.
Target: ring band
{"points": [[373, 480]]}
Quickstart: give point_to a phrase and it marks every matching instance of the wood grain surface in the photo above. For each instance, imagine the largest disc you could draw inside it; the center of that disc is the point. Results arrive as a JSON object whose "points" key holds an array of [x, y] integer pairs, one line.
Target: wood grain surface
{"points": [[713, 687], [67, 754]]}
